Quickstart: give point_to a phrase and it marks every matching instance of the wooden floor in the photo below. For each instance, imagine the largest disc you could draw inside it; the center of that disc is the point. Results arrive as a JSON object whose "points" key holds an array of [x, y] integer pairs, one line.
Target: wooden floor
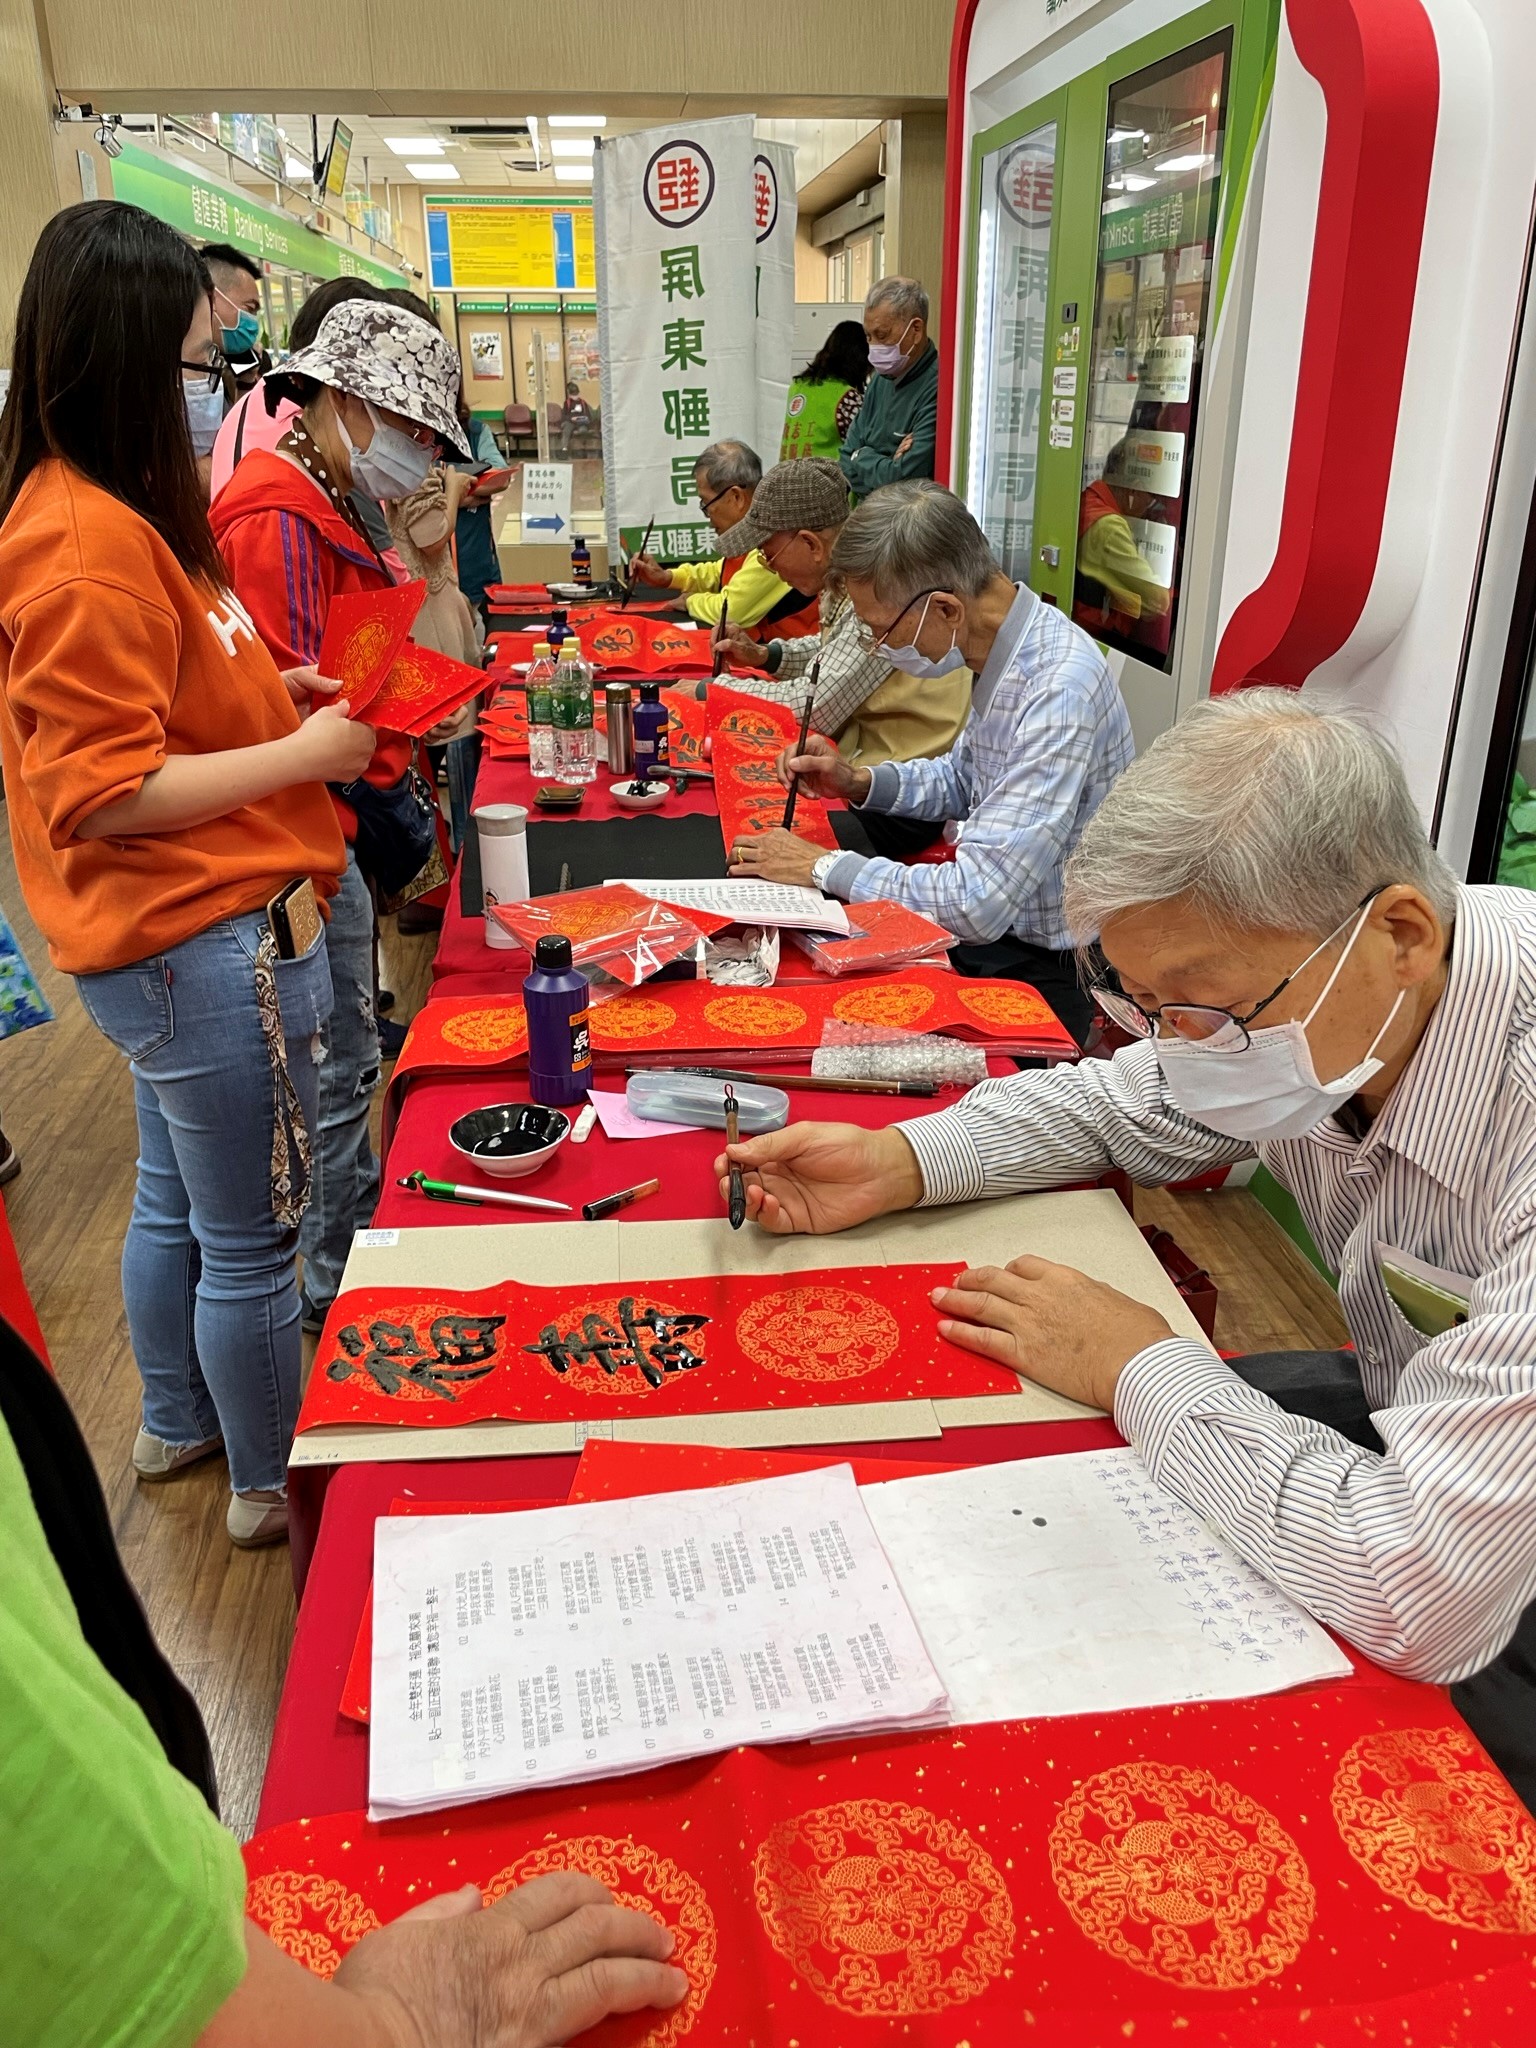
{"points": [[225, 1616]]}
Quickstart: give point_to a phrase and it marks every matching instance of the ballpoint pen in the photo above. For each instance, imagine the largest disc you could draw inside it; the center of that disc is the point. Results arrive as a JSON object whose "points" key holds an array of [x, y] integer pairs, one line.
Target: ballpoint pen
{"points": [[805, 727], [737, 1207], [453, 1191]]}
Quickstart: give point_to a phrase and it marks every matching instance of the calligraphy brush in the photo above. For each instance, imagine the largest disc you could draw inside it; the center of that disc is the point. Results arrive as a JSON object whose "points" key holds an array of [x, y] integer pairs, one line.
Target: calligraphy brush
{"points": [[827, 1084], [725, 620], [629, 588], [737, 1207], [565, 876], [805, 728]]}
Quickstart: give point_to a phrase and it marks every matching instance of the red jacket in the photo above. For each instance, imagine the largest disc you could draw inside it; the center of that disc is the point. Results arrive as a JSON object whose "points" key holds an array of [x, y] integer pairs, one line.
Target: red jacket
{"points": [[289, 552]]}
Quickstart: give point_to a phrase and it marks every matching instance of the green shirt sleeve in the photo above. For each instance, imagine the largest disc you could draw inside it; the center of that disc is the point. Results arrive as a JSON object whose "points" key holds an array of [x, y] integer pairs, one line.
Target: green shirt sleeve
{"points": [[126, 1899]]}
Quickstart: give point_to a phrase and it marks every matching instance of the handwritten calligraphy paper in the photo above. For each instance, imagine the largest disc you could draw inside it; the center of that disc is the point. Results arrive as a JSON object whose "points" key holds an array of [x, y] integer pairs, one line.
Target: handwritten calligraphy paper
{"points": [[364, 632], [747, 736]]}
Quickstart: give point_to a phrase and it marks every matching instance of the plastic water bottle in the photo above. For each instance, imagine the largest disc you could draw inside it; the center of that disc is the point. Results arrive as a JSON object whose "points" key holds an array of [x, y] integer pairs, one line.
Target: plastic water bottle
{"points": [[541, 731], [571, 704]]}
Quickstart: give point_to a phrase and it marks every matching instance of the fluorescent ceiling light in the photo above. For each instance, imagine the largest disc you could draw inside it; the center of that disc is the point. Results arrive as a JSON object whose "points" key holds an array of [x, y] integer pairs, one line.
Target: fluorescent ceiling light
{"points": [[414, 145], [572, 145], [577, 120], [1131, 183], [1125, 134], [432, 174], [1186, 163], [574, 172], [296, 167]]}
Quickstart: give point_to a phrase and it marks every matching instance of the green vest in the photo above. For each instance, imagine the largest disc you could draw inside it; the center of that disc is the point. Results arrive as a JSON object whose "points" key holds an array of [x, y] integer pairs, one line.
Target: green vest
{"points": [[810, 420]]}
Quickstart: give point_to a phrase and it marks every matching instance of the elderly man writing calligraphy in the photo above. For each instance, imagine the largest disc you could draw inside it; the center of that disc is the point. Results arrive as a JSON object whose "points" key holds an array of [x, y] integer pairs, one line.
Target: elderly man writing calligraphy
{"points": [[1047, 734], [1309, 982]]}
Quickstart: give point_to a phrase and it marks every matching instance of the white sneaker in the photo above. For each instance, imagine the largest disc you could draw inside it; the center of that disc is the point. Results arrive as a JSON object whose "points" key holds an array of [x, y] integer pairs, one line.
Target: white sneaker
{"points": [[154, 1459], [257, 1518]]}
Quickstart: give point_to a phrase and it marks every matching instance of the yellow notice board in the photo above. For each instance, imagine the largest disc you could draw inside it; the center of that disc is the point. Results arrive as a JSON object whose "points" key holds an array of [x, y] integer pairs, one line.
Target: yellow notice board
{"points": [[493, 243]]}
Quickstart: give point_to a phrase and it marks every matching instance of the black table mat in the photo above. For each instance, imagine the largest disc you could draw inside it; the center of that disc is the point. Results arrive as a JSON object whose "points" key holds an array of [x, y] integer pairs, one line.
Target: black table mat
{"points": [[660, 849]]}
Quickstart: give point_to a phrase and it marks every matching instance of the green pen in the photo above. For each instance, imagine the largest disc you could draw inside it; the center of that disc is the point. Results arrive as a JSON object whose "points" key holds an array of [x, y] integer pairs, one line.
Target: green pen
{"points": [[453, 1191]]}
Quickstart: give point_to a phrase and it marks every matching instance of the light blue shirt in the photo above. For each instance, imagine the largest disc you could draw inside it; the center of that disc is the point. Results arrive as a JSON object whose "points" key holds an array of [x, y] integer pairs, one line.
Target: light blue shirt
{"points": [[1047, 734]]}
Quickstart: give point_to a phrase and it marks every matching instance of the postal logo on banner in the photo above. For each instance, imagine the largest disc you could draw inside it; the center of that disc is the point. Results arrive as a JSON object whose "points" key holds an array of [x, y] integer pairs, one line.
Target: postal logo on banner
{"points": [[1026, 183], [765, 197], [679, 184]]}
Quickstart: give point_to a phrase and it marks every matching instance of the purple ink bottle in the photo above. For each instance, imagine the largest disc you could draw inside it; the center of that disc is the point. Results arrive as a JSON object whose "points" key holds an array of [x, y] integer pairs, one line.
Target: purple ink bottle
{"points": [[557, 1002], [649, 721]]}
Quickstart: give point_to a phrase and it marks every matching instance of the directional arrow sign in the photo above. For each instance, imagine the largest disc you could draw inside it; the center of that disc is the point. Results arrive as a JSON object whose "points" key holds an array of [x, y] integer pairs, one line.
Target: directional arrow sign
{"points": [[546, 497]]}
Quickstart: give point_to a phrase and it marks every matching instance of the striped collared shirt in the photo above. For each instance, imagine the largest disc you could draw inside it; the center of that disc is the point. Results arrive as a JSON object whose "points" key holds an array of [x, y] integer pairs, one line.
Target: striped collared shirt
{"points": [[1047, 735], [849, 673], [1425, 1555]]}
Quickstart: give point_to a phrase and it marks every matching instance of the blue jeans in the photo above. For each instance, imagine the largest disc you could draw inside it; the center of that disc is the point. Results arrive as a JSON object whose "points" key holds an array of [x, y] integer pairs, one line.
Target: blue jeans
{"points": [[346, 1179], [208, 1271]]}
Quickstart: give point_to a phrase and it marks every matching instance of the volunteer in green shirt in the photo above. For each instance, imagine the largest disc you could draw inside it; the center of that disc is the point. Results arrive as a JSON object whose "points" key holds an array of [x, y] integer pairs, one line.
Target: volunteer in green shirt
{"points": [[893, 435], [825, 398], [126, 1925]]}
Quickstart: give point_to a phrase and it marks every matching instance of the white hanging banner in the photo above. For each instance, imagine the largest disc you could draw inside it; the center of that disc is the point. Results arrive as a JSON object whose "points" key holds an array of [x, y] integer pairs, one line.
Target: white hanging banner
{"points": [[676, 286], [773, 222]]}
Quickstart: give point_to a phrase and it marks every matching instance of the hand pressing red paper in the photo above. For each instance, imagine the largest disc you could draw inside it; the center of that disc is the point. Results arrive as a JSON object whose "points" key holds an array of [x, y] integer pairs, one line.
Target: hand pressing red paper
{"points": [[364, 632]]}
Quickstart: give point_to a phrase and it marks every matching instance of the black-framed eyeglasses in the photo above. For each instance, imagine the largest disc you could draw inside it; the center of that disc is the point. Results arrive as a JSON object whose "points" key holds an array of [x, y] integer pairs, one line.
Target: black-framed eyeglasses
{"points": [[212, 369], [1200, 1021], [871, 641], [705, 503]]}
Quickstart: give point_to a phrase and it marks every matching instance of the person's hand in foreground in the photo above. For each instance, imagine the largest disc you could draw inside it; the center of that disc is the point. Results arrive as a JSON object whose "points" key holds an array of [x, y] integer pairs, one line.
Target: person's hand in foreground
{"points": [[646, 569], [823, 772], [306, 683], [818, 1178], [776, 856], [334, 747], [736, 647], [539, 1967], [1050, 1324]]}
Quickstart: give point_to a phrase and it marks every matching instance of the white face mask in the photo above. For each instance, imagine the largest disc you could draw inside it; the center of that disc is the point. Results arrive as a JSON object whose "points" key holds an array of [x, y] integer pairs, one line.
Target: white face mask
{"points": [[911, 663], [1267, 1089], [392, 465], [886, 357], [205, 414]]}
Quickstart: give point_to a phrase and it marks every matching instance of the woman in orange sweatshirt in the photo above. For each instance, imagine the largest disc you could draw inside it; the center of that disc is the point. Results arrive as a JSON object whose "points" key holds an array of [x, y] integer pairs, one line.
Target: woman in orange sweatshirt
{"points": [[163, 785]]}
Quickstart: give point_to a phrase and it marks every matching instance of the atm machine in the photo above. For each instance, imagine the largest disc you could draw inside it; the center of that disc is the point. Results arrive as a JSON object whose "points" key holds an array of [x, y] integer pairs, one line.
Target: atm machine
{"points": [[1235, 365]]}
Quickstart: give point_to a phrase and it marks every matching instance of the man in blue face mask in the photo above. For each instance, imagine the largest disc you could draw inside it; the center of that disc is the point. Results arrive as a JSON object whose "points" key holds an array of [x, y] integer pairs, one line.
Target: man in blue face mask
{"points": [[1307, 982], [1046, 735], [237, 312]]}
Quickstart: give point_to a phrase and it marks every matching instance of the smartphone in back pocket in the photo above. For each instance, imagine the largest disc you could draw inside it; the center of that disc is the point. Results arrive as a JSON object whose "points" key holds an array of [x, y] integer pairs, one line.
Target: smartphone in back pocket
{"points": [[294, 915]]}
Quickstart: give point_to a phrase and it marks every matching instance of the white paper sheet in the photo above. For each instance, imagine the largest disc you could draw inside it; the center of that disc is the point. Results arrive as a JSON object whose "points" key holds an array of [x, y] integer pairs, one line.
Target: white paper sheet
{"points": [[783, 904], [619, 1120], [1077, 1585], [565, 1644]]}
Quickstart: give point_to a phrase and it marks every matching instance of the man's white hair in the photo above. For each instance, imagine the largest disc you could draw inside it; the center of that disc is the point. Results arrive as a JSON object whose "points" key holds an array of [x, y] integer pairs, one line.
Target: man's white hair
{"points": [[904, 295], [1267, 811]]}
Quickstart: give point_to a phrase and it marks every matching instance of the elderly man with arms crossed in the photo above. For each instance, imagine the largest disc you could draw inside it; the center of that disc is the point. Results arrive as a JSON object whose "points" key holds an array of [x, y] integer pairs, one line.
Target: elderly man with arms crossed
{"points": [[1312, 984]]}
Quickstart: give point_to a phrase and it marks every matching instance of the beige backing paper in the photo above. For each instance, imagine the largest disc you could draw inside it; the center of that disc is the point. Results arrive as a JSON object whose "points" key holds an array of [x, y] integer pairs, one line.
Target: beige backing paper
{"points": [[1089, 1229]]}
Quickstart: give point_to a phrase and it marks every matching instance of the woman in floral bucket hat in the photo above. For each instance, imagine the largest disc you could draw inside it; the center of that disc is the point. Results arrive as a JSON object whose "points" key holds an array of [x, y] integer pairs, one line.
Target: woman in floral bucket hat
{"points": [[375, 390]]}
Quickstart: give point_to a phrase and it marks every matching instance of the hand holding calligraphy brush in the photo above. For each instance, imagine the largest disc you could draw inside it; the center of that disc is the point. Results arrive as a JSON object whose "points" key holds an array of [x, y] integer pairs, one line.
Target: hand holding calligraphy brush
{"points": [[805, 727], [737, 1207], [629, 587]]}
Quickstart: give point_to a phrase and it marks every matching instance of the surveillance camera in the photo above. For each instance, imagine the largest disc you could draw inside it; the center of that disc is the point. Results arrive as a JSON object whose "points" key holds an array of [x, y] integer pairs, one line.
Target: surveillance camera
{"points": [[106, 136]]}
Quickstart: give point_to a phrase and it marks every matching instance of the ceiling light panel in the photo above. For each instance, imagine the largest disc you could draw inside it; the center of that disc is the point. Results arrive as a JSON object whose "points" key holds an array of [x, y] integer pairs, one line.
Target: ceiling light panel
{"points": [[577, 120], [573, 173], [572, 145], [414, 145], [432, 174]]}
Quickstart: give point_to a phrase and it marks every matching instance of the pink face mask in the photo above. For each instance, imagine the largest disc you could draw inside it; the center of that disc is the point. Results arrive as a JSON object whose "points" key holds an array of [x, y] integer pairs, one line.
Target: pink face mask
{"points": [[887, 357]]}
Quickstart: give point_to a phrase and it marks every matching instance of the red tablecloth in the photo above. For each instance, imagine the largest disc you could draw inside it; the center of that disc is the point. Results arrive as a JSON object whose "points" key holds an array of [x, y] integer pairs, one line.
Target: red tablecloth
{"points": [[462, 948], [15, 1302], [580, 1173], [319, 1760]]}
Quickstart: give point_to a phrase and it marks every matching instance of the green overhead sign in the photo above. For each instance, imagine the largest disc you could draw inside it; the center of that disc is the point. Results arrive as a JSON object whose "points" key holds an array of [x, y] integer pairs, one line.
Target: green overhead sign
{"points": [[215, 213], [1167, 222]]}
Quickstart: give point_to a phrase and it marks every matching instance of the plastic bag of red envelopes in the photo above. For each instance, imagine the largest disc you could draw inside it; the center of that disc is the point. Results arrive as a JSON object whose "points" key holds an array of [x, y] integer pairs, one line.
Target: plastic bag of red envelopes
{"points": [[619, 938], [881, 937]]}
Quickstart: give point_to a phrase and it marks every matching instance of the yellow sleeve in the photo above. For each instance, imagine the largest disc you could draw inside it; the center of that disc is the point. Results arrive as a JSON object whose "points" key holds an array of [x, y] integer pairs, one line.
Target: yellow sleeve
{"points": [[1108, 554], [751, 594], [696, 576]]}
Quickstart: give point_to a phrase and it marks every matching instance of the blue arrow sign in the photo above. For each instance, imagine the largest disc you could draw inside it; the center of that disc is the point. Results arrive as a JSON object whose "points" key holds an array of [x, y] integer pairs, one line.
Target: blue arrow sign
{"points": [[554, 522]]}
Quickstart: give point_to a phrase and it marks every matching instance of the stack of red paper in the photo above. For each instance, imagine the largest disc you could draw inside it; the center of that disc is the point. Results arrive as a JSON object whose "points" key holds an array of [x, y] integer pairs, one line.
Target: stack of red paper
{"points": [[386, 678]]}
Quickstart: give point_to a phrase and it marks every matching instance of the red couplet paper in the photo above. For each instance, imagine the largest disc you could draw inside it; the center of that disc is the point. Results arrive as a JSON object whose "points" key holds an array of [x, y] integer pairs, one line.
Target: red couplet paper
{"points": [[614, 1471], [610, 911], [421, 688], [883, 937], [615, 1350], [1338, 1867], [748, 735], [675, 1020], [364, 632]]}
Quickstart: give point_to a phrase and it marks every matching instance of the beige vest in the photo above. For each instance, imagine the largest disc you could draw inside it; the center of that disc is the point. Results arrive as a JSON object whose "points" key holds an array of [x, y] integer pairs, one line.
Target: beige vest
{"points": [[908, 718]]}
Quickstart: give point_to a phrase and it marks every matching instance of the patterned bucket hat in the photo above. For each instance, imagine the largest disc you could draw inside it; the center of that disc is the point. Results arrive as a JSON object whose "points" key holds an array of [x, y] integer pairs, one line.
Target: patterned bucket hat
{"points": [[383, 353]]}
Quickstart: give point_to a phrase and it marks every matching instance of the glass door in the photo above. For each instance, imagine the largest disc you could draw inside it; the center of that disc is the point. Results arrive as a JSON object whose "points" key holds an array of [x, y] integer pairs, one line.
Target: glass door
{"points": [[1012, 281], [1158, 219]]}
